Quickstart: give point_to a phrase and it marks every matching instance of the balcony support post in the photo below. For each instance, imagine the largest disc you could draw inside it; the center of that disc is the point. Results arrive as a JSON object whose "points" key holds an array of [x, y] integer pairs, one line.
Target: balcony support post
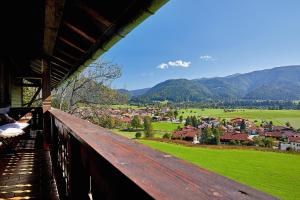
{"points": [[46, 100]]}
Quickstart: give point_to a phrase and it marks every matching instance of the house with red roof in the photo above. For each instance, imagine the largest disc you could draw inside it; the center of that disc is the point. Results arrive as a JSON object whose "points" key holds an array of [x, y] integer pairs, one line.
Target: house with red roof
{"points": [[238, 137], [273, 134], [293, 143], [187, 133]]}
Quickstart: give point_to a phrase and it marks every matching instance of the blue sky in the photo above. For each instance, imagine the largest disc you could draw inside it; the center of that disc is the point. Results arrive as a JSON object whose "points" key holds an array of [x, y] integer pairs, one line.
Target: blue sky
{"points": [[207, 38]]}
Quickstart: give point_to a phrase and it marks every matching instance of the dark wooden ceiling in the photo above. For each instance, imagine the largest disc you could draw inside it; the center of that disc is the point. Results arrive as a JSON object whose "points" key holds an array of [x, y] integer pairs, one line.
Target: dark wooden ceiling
{"points": [[65, 32]]}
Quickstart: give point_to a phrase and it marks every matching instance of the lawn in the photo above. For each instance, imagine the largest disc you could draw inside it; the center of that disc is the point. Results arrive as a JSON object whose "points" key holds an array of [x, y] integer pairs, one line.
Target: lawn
{"points": [[159, 129], [279, 117], [165, 126], [275, 173]]}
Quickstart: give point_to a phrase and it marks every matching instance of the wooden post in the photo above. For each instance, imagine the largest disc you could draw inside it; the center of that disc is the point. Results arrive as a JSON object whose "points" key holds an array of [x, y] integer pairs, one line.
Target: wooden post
{"points": [[46, 101], [46, 91]]}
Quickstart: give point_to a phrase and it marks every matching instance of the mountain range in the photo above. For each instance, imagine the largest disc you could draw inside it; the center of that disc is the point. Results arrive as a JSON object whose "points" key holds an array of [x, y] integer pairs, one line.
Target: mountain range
{"points": [[280, 83]]}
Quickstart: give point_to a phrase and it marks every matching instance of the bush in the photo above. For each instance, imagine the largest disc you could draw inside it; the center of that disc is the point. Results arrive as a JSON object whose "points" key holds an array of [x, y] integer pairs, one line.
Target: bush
{"points": [[167, 136], [232, 142], [289, 149], [138, 135]]}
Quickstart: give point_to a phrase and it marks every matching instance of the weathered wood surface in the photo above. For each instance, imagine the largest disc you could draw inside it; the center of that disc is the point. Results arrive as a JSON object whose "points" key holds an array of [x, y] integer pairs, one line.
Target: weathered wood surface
{"points": [[158, 175]]}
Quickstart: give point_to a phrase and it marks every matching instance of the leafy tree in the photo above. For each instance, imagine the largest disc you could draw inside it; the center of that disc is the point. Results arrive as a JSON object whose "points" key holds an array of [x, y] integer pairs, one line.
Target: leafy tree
{"points": [[136, 122], [175, 114], [217, 134], [170, 114], [243, 126], [180, 118], [223, 122], [195, 121], [167, 136], [207, 136], [188, 121], [105, 121], [88, 88], [268, 142], [148, 129]]}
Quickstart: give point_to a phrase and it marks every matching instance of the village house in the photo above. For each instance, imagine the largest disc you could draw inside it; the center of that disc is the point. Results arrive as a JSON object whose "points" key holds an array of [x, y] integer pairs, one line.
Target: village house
{"points": [[272, 134], [236, 136], [293, 144], [188, 133]]}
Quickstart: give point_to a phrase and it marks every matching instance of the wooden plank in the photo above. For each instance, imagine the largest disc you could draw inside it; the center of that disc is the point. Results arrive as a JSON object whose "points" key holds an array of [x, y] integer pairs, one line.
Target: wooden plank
{"points": [[62, 60], [159, 175], [60, 66], [53, 16], [79, 32], [71, 44], [56, 78], [66, 54], [57, 74], [95, 15]]}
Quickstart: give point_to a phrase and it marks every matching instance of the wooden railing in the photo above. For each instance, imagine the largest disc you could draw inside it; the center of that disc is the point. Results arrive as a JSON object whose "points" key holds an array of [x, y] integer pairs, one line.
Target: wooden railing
{"points": [[90, 161]]}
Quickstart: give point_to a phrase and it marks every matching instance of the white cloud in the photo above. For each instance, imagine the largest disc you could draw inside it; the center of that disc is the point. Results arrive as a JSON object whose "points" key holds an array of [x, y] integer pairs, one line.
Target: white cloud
{"points": [[163, 66], [177, 63], [207, 58]]}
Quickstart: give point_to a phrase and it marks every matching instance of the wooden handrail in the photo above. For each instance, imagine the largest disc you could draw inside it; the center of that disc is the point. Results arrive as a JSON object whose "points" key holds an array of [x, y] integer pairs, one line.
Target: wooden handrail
{"points": [[122, 168]]}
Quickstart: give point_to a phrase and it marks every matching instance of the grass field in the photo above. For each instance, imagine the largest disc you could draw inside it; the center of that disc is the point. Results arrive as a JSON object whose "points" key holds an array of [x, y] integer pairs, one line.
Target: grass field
{"points": [[275, 173], [279, 117], [165, 126], [160, 128]]}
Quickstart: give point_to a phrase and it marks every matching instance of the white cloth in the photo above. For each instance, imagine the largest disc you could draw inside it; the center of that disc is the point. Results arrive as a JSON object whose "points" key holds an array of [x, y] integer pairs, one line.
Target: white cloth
{"points": [[14, 125], [12, 129], [11, 132]]}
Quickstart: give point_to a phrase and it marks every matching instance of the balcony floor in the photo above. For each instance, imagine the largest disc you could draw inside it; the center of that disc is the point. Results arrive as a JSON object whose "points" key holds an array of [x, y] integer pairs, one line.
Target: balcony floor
{"points": [[26, 172]]}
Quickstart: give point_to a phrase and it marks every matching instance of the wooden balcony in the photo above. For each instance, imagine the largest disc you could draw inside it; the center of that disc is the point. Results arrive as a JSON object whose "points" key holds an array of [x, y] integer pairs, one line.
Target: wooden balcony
{"points": [[76, 159], [92, 160]]}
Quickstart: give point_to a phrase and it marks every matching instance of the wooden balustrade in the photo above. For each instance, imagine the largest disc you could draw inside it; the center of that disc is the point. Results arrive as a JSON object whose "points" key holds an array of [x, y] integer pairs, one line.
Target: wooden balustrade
{"points": [[91, 161]]}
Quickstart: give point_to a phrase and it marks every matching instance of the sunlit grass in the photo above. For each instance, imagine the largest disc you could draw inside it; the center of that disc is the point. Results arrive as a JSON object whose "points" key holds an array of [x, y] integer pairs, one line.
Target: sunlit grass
{"points": [[274, 173]]}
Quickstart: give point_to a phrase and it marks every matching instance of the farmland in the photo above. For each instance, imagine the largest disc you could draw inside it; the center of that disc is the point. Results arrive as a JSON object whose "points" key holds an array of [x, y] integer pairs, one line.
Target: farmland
{"points": [[275, 173], [159, 129], [279, 117]]}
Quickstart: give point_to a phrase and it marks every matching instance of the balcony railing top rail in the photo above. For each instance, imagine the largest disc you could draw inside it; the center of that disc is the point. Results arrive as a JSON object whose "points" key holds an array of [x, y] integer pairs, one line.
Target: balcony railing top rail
{"points": [[138, 168]]}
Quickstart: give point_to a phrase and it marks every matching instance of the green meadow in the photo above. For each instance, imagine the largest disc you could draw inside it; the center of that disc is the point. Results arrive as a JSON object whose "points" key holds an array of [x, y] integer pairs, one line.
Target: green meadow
{"points": [[275, 173], [159, 129], [279, 117]]}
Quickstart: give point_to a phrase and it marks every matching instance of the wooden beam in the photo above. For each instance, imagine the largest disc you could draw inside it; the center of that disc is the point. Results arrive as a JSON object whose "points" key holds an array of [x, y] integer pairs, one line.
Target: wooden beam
{"points": [[53, 15], [60, 66], [95, 15], [61, 60], [71, 44], [53, 69], [29, 75], [30, 85], [55, 78], [46, 92], [58, 73], [79, 32], [66, 54]]}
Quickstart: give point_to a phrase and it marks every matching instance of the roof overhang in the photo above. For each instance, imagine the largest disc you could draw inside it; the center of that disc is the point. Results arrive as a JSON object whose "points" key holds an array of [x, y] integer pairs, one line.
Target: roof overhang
{"points": [[69, 34]]}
